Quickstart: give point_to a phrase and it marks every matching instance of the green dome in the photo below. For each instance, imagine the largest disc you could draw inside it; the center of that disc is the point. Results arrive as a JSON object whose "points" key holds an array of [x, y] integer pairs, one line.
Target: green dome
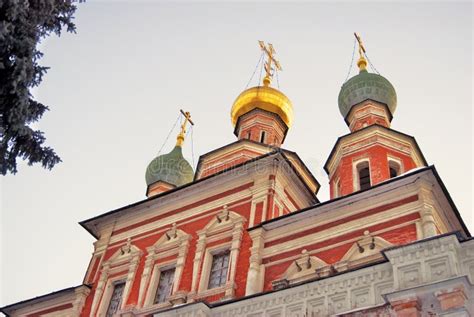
{"points": [[171, 168], [365, 86]]}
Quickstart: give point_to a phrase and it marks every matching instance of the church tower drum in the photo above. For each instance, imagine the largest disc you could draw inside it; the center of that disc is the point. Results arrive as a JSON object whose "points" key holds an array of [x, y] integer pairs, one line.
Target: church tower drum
{"points": [[263, 114], [372, 152]]}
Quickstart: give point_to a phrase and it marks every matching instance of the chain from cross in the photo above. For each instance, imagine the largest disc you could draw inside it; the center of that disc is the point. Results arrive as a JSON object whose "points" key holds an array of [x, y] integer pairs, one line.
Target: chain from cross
{"points": [[269, 70]]}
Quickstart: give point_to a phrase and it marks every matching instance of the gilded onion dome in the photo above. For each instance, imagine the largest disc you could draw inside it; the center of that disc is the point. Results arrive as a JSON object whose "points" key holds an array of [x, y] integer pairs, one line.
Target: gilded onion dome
{"points": [[266, 98]]}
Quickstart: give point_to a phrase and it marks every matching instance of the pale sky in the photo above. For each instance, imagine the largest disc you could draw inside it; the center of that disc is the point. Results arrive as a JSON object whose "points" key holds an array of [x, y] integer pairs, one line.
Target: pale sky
{"points": [[115, 89]]}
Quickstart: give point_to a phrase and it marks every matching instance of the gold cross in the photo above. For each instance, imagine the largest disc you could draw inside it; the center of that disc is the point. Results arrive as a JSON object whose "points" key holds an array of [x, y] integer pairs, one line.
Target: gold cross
{"points": [[362, 62], [182, 133], [270, 51]]}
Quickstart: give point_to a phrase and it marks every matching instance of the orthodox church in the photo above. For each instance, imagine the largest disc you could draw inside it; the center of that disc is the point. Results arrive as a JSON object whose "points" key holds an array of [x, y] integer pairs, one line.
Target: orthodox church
{"points": [[245, 234]]}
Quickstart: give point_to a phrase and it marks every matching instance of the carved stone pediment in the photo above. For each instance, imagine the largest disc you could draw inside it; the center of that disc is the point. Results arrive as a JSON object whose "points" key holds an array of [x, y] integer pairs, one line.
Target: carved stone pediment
{"points": [[303, 268], [365, 250], [123, 254], [224, 220], [172, 238]]}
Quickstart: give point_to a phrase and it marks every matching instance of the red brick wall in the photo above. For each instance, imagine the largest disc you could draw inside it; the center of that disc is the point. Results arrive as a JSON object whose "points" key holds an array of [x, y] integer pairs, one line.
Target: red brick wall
{"points": [[141, 241], [396, 236], [379, 167]]}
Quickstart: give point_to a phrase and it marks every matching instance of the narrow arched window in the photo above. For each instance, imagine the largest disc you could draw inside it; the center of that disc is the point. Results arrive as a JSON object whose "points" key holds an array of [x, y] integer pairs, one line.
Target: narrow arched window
{"points": [[364, 175], [262, 137], [394, 169], [393, 172]]}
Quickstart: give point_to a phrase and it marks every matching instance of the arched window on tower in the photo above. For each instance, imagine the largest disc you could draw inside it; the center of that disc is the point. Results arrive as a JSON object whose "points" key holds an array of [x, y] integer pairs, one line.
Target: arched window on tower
{"points": [[262, 137], [394, 168], [363, 172]]}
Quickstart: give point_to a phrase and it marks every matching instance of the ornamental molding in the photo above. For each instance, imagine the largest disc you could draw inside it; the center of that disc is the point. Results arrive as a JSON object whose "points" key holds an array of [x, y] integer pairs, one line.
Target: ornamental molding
{"points": [[366, 289], [225, 224], [333, 231], [425, 262], [303, 268], [173, 242], [187, 216], [121, 266], [181, 198], [374, 135], [365, 250]]}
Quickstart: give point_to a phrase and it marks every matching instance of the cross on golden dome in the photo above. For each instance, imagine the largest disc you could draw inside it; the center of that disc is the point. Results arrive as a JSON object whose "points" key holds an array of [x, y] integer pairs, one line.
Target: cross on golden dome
{"points": [[270, 51], [182, 132]]}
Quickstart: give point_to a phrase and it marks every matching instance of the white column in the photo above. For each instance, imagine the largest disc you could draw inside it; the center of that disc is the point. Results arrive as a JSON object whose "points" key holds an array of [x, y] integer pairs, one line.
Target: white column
{"points": [[180, 261], [130, 278], [81, 295], [253, 276], [234, 254], [100, 289], [145, 277], [201, 244], [428, 222]]}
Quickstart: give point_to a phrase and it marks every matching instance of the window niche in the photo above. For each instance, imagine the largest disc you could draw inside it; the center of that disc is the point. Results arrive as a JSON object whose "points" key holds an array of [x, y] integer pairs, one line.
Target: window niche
{"points": [[394, 167], [219, 269], [362, 175], [165, 284], [160, 279], [116, 298], [113, 288], [214, 260]]}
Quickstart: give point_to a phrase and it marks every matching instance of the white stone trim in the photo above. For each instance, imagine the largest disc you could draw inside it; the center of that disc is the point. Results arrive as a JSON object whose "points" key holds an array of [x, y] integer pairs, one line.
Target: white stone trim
{"points": [[303, 268], [374, 135], [398, 161], [371, 287], [125, 258], [370, 245], [225, 224], [173, 242], [206, 266], [335, 245], [356, 170], [256, 272], [338, 230]]}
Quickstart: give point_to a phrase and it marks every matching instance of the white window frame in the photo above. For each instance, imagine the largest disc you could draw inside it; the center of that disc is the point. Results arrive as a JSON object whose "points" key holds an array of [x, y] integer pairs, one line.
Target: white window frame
{"points": [[224, 225], [109, 290], [398, 162], [126, 257], [173, 242], [155, 280], [207, 264]]}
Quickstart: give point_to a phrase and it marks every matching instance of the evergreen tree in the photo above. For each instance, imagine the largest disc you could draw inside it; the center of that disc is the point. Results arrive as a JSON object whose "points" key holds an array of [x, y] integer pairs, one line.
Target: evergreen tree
{"points": [[23, 24]]}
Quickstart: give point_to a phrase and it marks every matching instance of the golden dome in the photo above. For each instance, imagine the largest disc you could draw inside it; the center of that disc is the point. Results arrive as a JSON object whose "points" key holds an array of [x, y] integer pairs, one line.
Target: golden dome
{"points": [[266, 98]]}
